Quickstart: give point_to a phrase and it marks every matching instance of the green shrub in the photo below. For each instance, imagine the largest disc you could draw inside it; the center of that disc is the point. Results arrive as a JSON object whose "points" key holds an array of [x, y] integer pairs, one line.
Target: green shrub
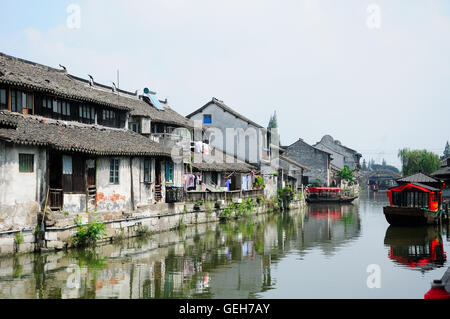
{"points": [[259, 182], [88, 234]]}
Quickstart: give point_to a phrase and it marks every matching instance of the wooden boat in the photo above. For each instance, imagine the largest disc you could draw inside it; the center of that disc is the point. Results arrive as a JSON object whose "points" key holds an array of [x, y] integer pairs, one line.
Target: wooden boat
{"points": [[327, 195], [413, 204]]}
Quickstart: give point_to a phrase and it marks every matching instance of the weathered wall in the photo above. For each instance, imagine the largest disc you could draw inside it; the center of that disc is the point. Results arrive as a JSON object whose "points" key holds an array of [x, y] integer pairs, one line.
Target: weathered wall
{"points": [[313, 158], [20, 193], [112, 197]]}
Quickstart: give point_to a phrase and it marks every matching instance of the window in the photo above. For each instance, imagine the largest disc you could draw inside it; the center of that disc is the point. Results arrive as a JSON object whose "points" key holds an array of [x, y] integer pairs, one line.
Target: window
{"points": [[86, 114], [65, 108], [169, 172], [3, 99], [26, 163], [207, 119], [114, 171], [147, 170], [30, 103], [133, 127], [108, 118], [18, 101]]}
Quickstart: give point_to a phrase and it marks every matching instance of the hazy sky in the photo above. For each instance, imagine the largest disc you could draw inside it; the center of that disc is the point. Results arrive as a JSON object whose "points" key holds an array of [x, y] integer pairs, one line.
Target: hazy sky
{"points": [[316, 62]]}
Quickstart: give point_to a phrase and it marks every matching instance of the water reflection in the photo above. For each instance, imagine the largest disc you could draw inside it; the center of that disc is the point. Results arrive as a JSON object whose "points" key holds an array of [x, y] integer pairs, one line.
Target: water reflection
{"points": [[418, 248], [220, 260]]}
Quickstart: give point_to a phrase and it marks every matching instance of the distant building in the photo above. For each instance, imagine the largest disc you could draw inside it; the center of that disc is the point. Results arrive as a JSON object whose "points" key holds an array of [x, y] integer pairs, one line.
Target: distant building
{"points": [[342, 155], [318, 161]]}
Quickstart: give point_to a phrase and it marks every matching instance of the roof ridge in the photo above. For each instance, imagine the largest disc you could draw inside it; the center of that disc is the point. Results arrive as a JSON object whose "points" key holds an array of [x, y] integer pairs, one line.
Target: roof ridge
{"points": [[31, 62]]}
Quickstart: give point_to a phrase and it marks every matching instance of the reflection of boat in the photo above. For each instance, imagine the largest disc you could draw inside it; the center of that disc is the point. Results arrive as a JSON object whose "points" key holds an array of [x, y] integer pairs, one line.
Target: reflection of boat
{"points": [[323, 211], [327, 195], [415, 247], [415, 202]]}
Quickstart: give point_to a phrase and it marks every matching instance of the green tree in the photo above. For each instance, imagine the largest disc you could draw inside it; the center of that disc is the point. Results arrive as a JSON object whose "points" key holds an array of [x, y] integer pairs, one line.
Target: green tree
{"points": [[273, 123], [446, 150], [414, 161], [347, 174]]}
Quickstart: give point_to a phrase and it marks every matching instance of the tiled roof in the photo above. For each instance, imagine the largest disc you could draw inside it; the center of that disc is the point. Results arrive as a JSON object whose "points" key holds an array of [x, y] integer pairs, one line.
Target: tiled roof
{"points": [[227, 109], [442, 172], [41, 78], [76, 137], [225, 163], [224, 167], [418, 178], [291, 161], [167, 116]]}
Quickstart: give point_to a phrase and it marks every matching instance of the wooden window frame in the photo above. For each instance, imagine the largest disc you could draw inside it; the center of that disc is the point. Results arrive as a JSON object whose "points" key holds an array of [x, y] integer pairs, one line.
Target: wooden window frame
{"points": [[4, 106], [26, 158], [169, 172], [148, 176], [114, 171]]}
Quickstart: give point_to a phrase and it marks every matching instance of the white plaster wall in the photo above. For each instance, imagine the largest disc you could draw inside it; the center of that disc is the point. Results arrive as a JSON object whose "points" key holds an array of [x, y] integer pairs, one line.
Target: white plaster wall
{"points": [[112, 197], [20, 193], [16, 187], [74, 203]]}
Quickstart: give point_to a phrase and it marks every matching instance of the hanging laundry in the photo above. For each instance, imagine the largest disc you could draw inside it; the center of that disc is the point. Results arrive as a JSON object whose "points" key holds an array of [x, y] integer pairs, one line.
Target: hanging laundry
{"points": [[199, 147], [206, 149]]}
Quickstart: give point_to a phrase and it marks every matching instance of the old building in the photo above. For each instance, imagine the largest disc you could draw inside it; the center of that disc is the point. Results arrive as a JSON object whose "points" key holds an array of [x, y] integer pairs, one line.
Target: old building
{"points": [[318, 161], [342, 155], [292, 172], [247, 141], [65, 141], [233, 133]]}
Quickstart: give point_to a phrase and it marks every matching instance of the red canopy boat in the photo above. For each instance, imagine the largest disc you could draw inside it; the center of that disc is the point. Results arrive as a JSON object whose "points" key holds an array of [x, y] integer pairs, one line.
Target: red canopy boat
{"points": [[327, 195], [413, 204]]}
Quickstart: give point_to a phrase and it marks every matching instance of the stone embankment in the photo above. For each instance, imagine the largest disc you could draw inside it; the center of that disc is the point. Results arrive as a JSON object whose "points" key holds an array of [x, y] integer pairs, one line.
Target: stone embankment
{"points": [[61, 227]]}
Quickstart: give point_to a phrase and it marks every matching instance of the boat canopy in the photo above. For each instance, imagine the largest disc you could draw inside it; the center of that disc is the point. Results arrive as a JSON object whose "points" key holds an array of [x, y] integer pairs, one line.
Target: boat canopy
{"points": [[415, 195], [325, 190]]}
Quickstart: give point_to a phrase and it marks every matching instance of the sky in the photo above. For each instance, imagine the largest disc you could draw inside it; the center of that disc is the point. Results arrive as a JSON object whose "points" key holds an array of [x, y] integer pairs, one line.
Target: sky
{"points": [[376, 80]]}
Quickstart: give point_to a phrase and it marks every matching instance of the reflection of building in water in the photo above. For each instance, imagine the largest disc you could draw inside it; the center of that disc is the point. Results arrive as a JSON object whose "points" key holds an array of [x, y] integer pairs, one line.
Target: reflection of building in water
{"points": [[419, 248], [231, 261], [238, 280], [328, 227]]}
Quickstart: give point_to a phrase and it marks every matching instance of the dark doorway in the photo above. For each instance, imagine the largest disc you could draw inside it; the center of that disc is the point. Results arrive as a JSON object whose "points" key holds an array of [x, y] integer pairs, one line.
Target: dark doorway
{"points": [[91, 172], [56, 194], [158, 193]]}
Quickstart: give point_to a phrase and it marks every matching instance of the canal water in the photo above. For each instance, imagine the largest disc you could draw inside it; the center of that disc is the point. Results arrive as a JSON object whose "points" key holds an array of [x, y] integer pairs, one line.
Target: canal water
{"points": [[323, 251]]}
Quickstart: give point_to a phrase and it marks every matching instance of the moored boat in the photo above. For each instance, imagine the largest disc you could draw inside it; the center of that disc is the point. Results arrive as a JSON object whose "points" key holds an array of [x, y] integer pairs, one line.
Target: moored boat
{"points": [[417, 201], [327, 195]]}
